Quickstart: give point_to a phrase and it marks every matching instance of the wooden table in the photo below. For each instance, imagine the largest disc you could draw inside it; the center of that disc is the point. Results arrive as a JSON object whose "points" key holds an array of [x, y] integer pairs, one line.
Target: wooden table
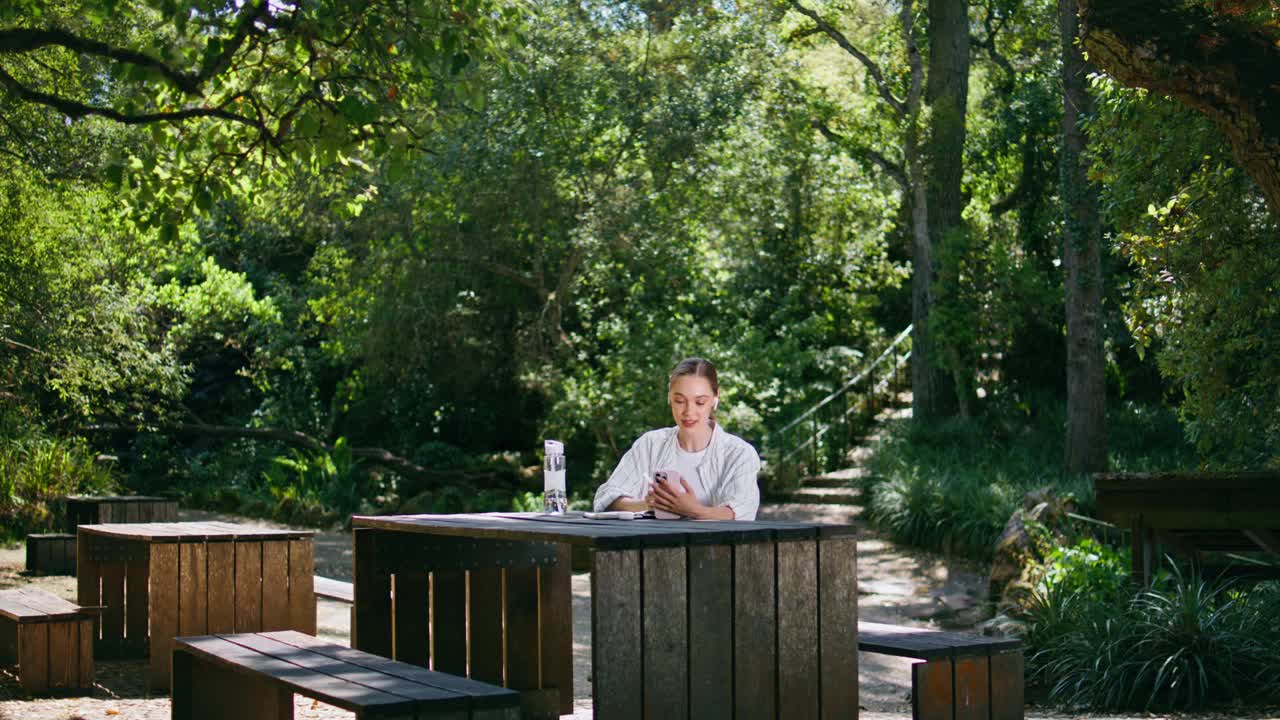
{"points": [[1192, 512], [95, 509], [156, 581], [689, 619]]}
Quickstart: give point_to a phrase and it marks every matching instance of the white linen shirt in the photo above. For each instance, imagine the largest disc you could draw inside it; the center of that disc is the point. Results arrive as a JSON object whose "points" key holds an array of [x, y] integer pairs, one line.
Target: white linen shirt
{"points": [[728, 471]]}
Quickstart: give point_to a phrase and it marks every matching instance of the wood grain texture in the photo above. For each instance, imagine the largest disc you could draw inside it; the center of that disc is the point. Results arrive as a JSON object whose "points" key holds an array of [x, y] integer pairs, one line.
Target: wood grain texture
{"points": [[710, 630], [972, 688], [112, 642], [931, 690], [838, 626], [88, 576], [84, 653], [755, 625], [411, 604], [485, 599], [798, 650], [275, 585], [666, 633], [372, 628], [555, 584], [449, 621], [193, 587], [617, 670], [248, 586], [137, 587], [33, 657], [163, 609], [220, 559], [1007, 691], [302, 595], [521, 599], [64, 656]]}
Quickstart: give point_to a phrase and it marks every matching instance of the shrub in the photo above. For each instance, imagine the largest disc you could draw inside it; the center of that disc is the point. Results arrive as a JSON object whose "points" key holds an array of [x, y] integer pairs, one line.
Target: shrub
{"points": [[1095, 642], [35, 471]]}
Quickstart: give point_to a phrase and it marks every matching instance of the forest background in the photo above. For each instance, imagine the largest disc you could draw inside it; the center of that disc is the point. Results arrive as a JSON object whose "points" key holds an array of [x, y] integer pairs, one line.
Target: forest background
{"points": [[322, 257]]}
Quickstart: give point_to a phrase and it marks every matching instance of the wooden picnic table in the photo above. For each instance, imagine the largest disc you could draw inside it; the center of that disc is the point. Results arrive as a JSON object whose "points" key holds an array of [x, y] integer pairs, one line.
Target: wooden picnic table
{"points": [[156, 581], [689, 619], [96, 509]]}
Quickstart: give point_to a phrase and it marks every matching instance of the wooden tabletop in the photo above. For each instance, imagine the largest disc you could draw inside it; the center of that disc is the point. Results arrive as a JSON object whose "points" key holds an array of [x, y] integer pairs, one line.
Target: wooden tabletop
{"points": [[27, 604], [117, 498], [190, 532], [574, 529]]}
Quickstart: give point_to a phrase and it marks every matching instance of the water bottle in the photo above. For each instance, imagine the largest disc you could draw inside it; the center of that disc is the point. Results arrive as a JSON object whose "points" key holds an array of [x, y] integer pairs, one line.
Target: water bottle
{"points": [[554, 499]]}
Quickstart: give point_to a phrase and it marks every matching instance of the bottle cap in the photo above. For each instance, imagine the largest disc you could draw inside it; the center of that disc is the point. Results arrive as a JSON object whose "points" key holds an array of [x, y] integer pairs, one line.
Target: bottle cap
{"points": [[553, 447]]}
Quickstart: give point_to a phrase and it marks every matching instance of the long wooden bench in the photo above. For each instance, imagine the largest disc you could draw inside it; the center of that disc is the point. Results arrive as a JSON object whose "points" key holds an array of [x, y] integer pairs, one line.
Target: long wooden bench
{"points": [[958, 676], [253, 676], [50, 639]]}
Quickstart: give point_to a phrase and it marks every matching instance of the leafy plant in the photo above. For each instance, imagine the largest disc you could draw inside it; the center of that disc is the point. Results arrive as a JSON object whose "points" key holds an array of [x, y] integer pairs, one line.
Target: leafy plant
{"points": [[36, 471], [331, 480]]}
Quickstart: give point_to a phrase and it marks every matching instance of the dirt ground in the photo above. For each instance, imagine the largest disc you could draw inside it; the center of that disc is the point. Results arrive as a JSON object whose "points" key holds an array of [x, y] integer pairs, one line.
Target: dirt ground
{"points": [[905, 587]]}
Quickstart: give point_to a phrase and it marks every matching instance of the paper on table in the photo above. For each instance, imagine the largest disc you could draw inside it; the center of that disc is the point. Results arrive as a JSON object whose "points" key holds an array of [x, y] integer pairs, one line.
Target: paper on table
{"points": [[613, 515]]}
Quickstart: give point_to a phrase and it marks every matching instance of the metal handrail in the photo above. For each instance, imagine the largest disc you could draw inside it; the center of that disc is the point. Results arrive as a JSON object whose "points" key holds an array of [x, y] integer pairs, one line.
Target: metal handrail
{"points": [[866, 371]]}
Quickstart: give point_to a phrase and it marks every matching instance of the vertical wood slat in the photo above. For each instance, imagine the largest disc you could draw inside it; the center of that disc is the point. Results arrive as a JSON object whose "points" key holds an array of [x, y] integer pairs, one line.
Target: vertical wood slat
{"points": [[163, 608], [838, 626], [710, 630], [931, 696], [372, 612], [63, 655], [449, 621], [411, 605], [485, 600], [192, 589], [112, 642], [616, 634], [555, 585], [1007, 691], [220, 559], [798, 684], [521, 599], [666, 635], [755, 627], [88, 577], [8, 643], [275, 585], [132, 513], [221, 693], [136, 601], [33, 656], [84, 653], [302, 596], [972, 687], [248, 584]]}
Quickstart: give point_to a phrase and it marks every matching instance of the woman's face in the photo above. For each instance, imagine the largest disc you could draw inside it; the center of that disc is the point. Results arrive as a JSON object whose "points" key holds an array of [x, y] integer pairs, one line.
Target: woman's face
{"points": [[692, 400]]}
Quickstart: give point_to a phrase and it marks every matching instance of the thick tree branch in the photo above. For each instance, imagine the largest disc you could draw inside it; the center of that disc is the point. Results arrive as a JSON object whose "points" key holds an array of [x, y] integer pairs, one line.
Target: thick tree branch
{"points": [[864, 154], [872, 68], [1228, 73], [993, 28], [20, 346]]}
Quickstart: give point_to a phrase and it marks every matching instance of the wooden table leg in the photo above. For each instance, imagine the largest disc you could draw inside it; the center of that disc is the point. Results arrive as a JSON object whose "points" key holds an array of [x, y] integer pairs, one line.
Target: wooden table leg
{"points": [[616, 636], [371, 631], [162, 610], [838, 625]]}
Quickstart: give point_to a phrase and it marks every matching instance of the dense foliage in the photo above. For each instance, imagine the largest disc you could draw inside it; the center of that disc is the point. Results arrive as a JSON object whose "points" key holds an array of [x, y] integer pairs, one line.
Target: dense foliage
{"points": [[1187, 642]]}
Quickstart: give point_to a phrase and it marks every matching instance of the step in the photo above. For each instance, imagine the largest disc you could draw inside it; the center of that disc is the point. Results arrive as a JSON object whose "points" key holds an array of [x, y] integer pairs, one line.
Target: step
{"points": [[847, 477], [826, 496]]}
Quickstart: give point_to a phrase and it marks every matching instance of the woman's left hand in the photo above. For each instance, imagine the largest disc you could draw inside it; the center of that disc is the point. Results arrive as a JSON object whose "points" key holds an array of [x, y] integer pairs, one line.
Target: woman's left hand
{"points": [[664, 498]]}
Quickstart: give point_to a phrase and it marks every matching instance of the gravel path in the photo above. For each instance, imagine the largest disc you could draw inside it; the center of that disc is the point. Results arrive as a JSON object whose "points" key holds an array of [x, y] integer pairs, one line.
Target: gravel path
{"points": [[896, 585]]}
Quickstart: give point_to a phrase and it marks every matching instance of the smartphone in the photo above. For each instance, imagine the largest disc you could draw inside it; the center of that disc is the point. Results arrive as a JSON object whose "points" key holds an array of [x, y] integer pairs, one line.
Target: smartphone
{"points": [[671, 480]]}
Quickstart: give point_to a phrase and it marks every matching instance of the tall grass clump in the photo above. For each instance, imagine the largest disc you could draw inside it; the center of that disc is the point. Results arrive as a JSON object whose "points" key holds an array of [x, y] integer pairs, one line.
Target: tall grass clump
{"points": [[954, 485], [35, 472], [1185, 643]]}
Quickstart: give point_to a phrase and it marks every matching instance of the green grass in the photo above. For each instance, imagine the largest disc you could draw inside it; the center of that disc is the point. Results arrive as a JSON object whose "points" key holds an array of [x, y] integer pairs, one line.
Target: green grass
{"points": [[953, 487]]}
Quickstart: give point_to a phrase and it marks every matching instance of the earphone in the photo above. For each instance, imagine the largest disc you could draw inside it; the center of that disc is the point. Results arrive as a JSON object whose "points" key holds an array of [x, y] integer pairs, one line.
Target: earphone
{"points": [[715, 404]]}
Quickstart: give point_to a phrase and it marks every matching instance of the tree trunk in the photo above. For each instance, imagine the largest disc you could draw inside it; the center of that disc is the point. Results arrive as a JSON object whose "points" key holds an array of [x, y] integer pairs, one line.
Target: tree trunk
{"points": [[1213, 60], [1086, 441], [946, 95]]}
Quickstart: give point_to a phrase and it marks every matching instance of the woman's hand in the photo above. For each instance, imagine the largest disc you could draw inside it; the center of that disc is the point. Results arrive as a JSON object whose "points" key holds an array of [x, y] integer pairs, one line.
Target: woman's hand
{"points": [[686, 504]]}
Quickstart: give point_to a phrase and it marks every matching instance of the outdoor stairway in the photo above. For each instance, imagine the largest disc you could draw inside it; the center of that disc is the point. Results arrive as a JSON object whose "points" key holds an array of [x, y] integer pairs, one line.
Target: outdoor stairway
{"points": [[834, 488]]}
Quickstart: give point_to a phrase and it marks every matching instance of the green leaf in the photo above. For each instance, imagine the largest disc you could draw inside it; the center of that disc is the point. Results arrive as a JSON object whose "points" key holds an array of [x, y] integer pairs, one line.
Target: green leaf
{"points": [[460, 61]]}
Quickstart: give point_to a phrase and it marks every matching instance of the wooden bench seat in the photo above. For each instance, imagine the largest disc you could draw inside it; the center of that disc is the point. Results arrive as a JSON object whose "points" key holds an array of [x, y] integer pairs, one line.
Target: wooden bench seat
{"points": [[958, 676], [252, 676], [335, 590], [50, 639]]}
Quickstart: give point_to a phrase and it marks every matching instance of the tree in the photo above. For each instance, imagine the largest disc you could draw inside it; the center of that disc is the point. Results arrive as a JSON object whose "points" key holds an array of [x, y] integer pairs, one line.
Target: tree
{"points": [[1220, 58], [940, 142], [222, 85], [1086, 439]]}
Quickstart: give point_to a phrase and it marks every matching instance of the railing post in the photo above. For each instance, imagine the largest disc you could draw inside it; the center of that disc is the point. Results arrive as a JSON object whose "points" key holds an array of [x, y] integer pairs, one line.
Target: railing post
{"points": [[813, 446]]}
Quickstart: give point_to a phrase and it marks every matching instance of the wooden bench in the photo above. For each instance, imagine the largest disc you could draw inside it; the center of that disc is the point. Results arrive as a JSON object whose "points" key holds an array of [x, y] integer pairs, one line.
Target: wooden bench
{"points": [[958, 676], [335, 590], [50, 639], [253, 676], [51, 554]]}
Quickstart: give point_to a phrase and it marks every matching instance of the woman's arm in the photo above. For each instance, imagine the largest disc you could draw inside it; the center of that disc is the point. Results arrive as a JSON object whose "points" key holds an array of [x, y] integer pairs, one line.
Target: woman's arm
{"points": [[627, 503], [685, 503]]}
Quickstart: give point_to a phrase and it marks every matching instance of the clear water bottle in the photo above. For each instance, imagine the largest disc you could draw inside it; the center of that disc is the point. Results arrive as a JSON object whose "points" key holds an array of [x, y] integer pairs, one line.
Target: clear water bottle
{"points": [[554, 498]]}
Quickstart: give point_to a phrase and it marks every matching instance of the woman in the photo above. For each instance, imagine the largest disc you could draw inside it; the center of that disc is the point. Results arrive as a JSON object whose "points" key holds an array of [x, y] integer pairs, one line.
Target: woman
{"points": [[717, 470]]}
